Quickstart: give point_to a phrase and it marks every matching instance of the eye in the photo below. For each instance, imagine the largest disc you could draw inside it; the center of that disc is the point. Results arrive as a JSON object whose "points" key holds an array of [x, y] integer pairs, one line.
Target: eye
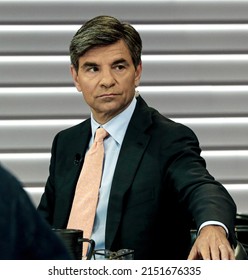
{"points": [[91, 68], [119, 67]]}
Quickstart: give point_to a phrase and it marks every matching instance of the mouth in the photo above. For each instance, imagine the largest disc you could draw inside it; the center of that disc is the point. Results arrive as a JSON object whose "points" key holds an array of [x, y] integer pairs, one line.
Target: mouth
{"points": [[108, 95]]}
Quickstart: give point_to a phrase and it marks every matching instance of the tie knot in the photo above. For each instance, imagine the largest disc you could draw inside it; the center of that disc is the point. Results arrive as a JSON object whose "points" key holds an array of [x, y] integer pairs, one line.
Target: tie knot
{"points": [[101, 133]]}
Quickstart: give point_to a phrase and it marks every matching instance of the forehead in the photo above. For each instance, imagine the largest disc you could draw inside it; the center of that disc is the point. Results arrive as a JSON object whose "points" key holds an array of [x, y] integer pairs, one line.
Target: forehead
{"points": [[116, 51]]}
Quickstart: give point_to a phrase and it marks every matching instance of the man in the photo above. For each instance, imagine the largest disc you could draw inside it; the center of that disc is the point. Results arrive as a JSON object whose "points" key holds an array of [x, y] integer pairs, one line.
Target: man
{"points": [[24, 235], [154, 180]]}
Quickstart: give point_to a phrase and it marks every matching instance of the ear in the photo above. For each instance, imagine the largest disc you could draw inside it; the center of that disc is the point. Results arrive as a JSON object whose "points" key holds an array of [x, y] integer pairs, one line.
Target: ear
{"points": [[138, 72], [75, 78]]}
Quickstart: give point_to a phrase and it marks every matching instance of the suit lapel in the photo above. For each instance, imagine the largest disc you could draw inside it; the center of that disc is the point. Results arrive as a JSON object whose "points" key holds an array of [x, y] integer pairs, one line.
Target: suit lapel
{"points": [[77, 151], [133, 147]]}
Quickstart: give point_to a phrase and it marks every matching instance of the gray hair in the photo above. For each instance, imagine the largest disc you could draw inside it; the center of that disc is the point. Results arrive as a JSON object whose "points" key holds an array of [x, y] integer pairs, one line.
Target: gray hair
{"points": [[102, 31]]}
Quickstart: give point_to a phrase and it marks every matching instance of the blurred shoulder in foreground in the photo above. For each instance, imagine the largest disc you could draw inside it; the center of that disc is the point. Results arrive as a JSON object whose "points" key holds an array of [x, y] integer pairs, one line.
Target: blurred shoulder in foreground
{"points": [[23, 233]]}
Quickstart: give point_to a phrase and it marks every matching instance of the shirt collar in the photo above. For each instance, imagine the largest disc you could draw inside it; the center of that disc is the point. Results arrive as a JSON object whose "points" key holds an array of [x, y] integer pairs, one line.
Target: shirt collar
{"points": [[117, 126]]}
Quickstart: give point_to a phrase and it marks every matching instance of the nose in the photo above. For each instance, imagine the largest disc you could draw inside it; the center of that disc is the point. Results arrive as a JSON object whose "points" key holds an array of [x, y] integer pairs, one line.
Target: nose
{"points": [[107, 79]]}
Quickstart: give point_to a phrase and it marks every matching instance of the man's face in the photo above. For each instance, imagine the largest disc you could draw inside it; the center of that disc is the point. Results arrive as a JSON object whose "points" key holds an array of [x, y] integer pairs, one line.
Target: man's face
{"points": [[107, 78]]}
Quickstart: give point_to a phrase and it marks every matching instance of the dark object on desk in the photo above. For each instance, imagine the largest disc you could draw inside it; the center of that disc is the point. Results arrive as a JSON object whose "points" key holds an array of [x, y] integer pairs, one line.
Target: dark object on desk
{"points": [[73, 240], [241, 230], [122, 254], [240, 252]]}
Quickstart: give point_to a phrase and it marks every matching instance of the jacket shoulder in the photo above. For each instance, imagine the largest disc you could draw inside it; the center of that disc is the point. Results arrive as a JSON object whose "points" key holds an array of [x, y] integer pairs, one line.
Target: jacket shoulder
{"points": [[75, 129]]}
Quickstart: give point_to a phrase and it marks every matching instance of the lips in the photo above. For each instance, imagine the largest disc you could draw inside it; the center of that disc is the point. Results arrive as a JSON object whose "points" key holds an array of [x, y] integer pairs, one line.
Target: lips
{"points": [[108, 94]]}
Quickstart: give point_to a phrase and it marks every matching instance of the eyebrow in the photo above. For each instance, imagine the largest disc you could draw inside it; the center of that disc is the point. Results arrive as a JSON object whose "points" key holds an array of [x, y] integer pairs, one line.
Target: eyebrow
{"points": [[88, 64], [122, 60], [93, 64]]}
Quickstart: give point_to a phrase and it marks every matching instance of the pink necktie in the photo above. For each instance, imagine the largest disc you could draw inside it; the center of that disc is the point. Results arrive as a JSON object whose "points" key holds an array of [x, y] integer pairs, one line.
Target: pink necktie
{"points": [[87, 190]]}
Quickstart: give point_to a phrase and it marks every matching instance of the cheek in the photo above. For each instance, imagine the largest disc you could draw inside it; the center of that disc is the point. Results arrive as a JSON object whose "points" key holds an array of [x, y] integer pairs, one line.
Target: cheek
{"points": [[85, 86], [88, 99], [88, 91], [129, 84]]}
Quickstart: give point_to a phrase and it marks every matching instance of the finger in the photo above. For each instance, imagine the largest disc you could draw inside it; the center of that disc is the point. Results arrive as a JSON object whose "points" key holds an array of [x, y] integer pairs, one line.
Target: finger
{"points": [[193, 254], [199, 253], [226, 252], [216, 252], [205, 253], [222, 252]]}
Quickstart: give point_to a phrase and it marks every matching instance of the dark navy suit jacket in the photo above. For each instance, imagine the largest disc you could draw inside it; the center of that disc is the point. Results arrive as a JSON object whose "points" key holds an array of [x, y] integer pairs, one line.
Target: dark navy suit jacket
{"points": [[160, 184]]}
